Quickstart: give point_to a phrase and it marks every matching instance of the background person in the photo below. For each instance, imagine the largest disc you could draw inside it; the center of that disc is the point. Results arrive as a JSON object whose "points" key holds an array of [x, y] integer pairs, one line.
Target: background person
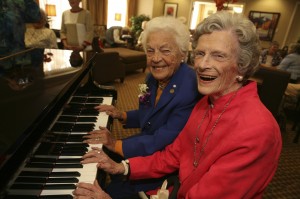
{"points": [[76, 28], [39, 36], [165, 103], [13, 16], [271, 56], [231, 144], [291, 63], [113, 37]]}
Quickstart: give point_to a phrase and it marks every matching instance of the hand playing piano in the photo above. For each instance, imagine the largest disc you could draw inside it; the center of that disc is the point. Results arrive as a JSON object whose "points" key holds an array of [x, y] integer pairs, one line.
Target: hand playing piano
{"points": [[102, 136], [87, 190], [104, 162], [111, 111]]}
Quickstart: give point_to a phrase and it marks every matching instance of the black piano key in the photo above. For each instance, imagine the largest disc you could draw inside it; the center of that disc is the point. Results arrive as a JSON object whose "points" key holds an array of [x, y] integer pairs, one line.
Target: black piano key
{"points": [[71, 111], [44, 180], [65, 174], [49, 165], [83, 127], [21, 197], [59, 186], [72, 153], [27, 186], [49, 174], [39, 197], [78, 99], [62, 138], [56, 197], [62, 180], [62, 127], [72, 119], [91, 112], [43, 186], [41, 180], [87, 119], [96, 100], [75, 119], [55, 160], [82, 106]]}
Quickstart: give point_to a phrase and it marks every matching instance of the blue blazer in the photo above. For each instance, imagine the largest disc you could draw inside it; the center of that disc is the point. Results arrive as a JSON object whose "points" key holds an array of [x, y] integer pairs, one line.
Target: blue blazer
{"points": [[162, 123]]}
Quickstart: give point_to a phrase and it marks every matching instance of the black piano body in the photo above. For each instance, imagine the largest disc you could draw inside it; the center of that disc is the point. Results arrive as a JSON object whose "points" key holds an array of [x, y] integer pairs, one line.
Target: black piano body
{"points": [[36, 86]]}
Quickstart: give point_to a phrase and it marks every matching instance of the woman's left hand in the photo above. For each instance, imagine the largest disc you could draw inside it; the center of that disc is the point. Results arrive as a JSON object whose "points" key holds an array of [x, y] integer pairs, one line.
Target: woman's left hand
{"points": [[87, 190], [102, 136]]}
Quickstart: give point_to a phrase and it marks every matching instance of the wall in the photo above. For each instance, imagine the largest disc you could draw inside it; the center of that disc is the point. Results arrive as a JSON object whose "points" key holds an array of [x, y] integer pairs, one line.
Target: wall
{"points": [[286, 8], [183, 9], [145, 7]]}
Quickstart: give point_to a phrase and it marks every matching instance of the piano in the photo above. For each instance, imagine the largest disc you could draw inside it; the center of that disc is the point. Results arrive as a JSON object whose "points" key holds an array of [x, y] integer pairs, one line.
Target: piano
{"points": [[46, 103]]}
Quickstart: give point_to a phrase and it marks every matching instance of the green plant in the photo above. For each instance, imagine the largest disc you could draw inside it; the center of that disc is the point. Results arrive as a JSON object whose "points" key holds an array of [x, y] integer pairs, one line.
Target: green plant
{"points": [[136, 24]]}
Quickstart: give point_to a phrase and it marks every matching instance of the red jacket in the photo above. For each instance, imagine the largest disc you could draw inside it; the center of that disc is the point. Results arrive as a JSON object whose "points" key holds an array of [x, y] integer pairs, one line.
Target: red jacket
{"points": [[241, 155]]}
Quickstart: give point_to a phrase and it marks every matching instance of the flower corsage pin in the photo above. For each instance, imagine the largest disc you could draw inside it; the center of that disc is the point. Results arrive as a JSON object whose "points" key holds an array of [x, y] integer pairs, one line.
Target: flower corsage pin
{"points": [[144, 96]]}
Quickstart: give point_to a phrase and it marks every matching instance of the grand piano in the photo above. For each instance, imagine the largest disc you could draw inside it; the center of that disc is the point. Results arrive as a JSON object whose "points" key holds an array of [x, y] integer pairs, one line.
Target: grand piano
{"points": [[46, 107]]}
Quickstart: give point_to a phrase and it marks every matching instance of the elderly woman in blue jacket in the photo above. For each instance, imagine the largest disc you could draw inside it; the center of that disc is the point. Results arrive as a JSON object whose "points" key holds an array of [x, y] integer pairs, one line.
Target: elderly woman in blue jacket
{"points": [[165, 102]]}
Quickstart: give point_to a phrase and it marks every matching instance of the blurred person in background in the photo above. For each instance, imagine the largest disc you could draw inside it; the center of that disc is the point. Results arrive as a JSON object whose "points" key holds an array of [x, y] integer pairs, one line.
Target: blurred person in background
{"points": [[13, 16]]}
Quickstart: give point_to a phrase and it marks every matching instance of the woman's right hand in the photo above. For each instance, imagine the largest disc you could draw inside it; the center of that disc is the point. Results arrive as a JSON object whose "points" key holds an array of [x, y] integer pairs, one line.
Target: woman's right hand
{"points": [[111, 111], [104, 162]]}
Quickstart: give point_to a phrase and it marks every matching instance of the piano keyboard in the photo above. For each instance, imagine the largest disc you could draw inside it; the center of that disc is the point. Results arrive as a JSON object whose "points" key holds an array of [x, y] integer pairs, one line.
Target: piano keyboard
{"points": [[54, 169]]}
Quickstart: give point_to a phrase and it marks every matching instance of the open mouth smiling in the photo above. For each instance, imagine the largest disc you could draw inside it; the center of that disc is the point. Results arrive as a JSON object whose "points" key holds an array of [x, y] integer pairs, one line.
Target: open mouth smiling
{"points": [[207, 77]]}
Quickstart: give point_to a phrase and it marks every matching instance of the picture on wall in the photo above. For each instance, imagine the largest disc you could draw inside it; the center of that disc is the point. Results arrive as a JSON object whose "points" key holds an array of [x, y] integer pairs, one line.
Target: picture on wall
{"points": [[266, 23], [170, 9]]}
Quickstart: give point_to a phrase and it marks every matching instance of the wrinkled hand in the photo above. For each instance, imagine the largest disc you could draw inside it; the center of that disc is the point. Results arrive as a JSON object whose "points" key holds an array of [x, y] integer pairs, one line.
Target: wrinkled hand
{"points": [[102, 136], [87, 190], [110, 110], [104, 162]]}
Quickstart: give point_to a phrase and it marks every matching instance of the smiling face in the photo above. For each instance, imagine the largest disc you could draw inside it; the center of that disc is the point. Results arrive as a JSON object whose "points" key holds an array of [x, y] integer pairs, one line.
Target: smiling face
{"points": [[163, 55], [216, 64]]}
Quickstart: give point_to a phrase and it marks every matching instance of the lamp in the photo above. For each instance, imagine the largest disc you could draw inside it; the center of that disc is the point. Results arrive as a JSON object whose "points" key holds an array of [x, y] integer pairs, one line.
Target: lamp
{"points": [[50, 10]]}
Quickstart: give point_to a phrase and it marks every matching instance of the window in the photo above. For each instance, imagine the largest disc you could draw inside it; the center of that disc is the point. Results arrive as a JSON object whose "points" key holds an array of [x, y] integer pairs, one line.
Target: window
{"points": [[116, 13]]}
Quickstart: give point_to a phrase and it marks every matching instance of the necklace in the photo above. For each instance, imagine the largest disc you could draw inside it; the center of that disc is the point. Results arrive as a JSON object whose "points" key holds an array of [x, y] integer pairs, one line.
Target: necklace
{"points": [[162, 85], [197, 154]]}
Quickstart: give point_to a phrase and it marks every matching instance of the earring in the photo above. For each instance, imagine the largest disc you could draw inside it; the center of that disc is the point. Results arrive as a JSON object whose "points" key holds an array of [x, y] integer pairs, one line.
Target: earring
{"points": [[239, 78], [182, 60]]}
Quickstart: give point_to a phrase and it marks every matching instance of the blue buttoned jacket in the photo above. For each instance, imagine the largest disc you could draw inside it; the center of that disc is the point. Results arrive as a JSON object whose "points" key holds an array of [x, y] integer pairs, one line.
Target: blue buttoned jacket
{"points": [[161, 124]]}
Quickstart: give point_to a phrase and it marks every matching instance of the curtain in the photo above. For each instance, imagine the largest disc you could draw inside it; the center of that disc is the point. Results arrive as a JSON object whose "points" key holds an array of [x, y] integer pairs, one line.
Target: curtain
{"points": [[131, 10], [98, 9]]}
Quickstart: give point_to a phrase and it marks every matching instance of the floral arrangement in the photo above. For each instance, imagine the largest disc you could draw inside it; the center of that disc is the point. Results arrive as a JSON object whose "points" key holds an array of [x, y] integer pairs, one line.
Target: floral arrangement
{"points": [[144, 96], [220, 6]]}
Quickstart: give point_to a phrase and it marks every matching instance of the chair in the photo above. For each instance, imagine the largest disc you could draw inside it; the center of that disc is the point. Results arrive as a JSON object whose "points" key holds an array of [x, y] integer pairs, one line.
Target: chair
{"points": [[107, 67], [272, 84], [291, 107]]}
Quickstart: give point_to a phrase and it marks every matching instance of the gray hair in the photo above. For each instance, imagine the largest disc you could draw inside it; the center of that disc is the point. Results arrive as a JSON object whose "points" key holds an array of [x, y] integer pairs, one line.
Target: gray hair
{"points": [[172, 25], [248, 51], [295, 48]]}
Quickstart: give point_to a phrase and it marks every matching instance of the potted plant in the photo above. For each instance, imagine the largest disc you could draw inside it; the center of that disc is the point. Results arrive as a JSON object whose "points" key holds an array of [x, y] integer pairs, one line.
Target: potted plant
{"points": [[136, 25]]}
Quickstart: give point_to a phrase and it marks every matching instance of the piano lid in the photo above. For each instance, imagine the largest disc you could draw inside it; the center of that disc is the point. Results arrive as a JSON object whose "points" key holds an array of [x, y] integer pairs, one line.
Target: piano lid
{"points": [[29, 82]]}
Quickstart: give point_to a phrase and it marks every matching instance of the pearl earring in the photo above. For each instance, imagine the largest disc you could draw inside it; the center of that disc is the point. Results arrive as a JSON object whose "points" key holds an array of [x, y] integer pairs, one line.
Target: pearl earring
{"points": [[239, 78]]}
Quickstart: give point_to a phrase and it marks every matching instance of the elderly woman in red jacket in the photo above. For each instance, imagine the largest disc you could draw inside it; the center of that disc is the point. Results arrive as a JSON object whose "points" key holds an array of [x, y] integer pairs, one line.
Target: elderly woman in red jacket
{"points": [[231, 144]]}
